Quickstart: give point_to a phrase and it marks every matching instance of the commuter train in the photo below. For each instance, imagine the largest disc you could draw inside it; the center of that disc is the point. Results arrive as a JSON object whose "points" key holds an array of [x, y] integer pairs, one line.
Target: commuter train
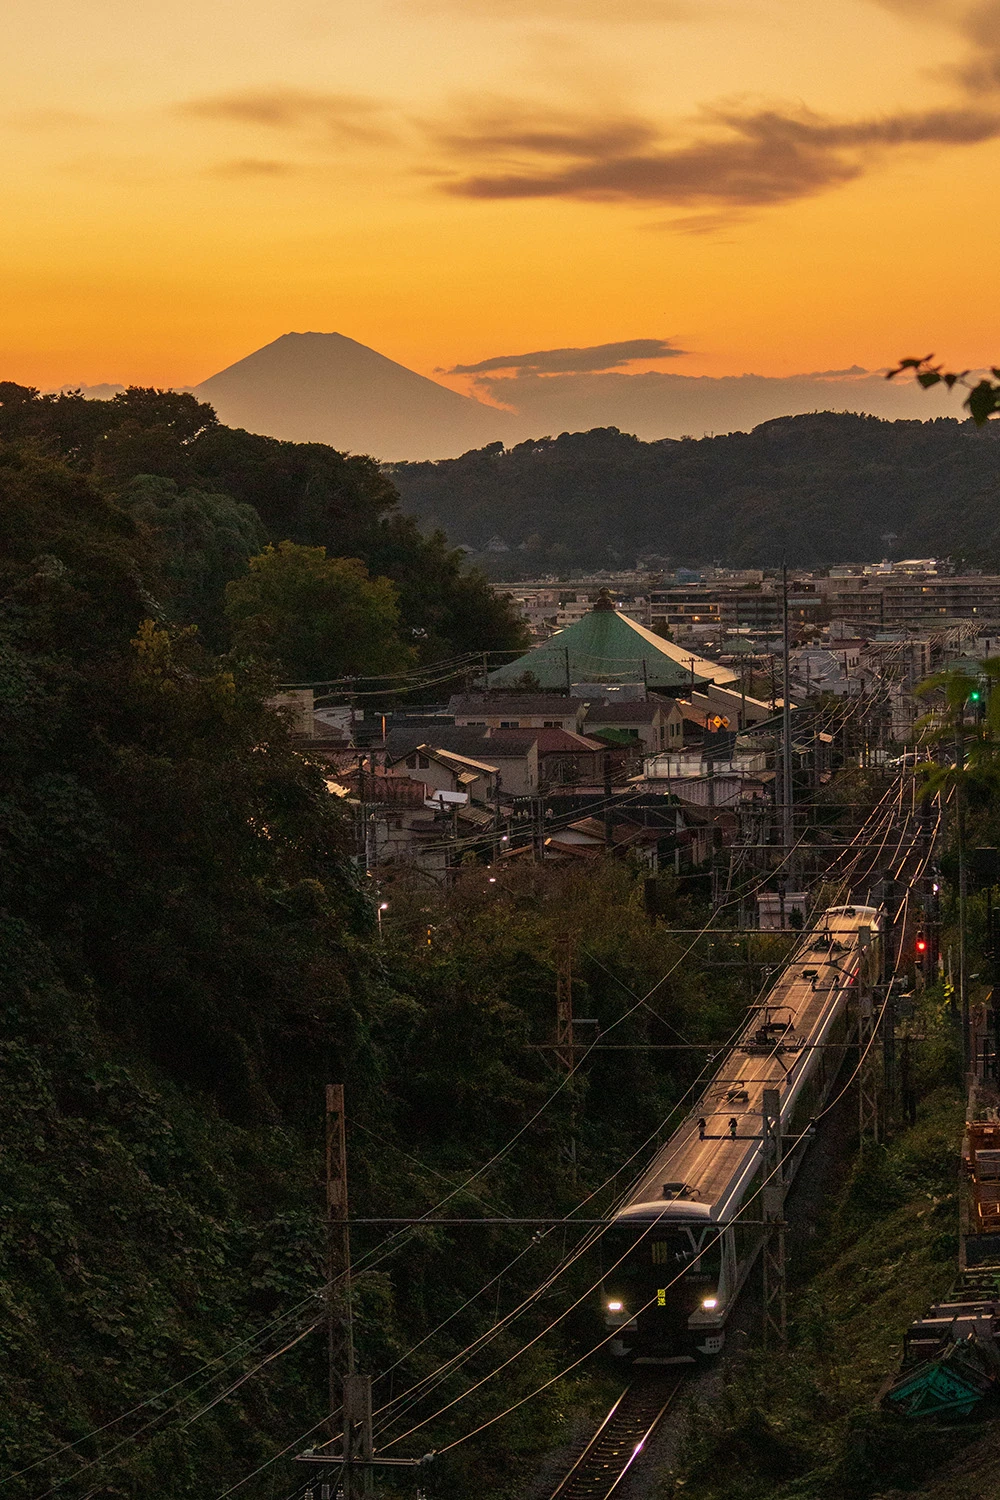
{"points": [[677, 1254]]}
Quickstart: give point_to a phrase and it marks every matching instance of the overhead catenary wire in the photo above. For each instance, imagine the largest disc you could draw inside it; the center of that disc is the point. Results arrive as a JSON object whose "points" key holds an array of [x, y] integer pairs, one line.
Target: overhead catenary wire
{"points": [[500, 1368], [607, 1339], [226, 1357], [302, 1437]]}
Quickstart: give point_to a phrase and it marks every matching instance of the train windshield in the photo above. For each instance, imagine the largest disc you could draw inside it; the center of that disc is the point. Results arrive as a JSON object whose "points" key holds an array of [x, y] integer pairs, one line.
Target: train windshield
{"points": [[637, 1257]]}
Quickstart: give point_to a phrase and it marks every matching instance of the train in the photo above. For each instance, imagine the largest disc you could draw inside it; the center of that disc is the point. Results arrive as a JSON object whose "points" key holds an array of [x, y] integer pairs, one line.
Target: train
{"points": [[683, 1241]]}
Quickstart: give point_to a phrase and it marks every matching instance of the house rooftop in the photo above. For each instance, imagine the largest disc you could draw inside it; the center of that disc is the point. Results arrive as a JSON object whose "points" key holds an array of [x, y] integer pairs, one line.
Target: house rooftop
{"points": [[464, 762], [629, 712], [549, 704], [606, 646]]}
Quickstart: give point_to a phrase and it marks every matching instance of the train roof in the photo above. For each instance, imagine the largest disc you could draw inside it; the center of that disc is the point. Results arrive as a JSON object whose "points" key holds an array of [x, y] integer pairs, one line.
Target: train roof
{"points": [[703, 1172], [671, 1211]]}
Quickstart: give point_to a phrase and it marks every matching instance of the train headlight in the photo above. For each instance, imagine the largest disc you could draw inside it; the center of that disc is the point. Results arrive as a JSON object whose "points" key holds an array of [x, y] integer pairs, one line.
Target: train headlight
{"points": [[616, 1307], [709, 1303]]}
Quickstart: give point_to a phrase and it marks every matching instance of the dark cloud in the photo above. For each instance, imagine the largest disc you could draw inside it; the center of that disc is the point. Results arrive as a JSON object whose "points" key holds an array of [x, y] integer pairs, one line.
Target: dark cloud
{"points": [[341, 117], [548, 134], [739, 160], [977, 22], [980, 74], [575, 361]]}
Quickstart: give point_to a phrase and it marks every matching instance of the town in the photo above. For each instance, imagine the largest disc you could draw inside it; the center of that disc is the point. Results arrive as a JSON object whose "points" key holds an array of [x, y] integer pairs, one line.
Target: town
{"points": [[648, 716]]}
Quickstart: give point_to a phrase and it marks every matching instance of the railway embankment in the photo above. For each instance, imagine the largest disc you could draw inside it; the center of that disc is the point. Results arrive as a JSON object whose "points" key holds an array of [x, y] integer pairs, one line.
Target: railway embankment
{"points": [[805, 1424]]}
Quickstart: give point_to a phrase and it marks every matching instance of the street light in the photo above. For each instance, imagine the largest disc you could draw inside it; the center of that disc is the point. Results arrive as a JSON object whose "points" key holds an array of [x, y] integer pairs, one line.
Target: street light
{"points": [[382, 906]]}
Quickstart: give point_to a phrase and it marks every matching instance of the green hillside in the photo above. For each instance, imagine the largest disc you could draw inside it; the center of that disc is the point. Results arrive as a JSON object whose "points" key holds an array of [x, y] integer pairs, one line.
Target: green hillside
{"points": [[814, 490]]}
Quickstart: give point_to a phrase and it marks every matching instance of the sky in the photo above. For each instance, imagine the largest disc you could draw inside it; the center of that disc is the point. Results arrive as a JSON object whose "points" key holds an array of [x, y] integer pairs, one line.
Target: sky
{"points": [[698, 188]]}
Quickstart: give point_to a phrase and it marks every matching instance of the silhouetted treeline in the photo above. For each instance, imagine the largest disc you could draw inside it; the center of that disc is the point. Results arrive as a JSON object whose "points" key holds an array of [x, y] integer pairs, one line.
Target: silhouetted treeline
{"points": [[214, 495], [814, 490]]}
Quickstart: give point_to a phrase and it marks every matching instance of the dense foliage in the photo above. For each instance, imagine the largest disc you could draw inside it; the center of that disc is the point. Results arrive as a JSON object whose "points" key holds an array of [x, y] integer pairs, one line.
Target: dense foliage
{"points": [[813, 490], [305, 610], [210, 495], [187, 955]]}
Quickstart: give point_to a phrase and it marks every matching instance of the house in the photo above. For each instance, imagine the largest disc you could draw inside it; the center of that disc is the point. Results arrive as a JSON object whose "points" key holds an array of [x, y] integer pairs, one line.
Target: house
{"points": [[513, 754], [444, 771], [564, 759], [517, 711], [656, 723]]}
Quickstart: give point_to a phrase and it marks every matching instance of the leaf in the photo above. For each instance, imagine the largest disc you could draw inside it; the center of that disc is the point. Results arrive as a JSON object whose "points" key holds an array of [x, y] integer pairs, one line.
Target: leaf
{"points": [[927, 378], [982, 402]]}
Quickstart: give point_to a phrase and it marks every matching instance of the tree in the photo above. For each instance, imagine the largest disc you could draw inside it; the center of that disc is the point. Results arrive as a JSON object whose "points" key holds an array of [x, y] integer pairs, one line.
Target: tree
{"points": [[316, 617], [205, 541], [983, 400]]}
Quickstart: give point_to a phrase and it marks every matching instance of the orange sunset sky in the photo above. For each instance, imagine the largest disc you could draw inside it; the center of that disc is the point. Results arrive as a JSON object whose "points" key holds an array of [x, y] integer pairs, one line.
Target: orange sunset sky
{"points": [[775, 185]]}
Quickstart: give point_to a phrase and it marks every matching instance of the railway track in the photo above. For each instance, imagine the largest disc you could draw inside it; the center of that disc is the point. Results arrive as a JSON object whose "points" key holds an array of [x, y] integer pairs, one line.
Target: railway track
{"points": [[600, 1470]]}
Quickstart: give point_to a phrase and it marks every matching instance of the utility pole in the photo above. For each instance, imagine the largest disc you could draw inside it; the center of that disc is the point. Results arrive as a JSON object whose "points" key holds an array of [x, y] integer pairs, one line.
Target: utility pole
{"points": [[963, 893], [339, 1324], [540, 829], [773, 1203], [349, 1392], [868, 1121], [890, 938], [496, 819]]}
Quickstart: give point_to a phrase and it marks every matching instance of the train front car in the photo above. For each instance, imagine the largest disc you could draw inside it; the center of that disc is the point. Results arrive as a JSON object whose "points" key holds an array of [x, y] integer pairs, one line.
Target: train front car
{"points": [[684, 1241], [667, 1280]]}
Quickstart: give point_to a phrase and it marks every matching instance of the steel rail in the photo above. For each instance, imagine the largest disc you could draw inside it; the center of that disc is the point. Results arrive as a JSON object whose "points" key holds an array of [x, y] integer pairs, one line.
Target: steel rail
{"points": [[602, 1466]]}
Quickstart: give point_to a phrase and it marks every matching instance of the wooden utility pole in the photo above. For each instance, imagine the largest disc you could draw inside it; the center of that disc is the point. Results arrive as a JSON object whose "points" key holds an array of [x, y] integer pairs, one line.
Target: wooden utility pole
{"points": [[340, 1330], [350, 1394]]}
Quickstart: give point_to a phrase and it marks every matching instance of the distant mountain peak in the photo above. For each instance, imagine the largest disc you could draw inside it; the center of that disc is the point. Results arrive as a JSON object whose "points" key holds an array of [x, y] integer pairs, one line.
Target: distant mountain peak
{"points": [[328, 388]]}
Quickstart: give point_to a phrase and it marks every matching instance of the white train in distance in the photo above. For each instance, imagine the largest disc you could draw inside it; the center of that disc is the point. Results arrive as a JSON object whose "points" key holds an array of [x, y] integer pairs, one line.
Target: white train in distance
{"points": [[677, 1254]]}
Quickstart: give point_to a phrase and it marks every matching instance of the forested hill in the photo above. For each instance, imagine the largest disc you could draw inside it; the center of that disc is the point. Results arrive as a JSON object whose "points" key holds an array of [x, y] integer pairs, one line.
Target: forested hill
{"points": [[818, 489], [208, 497], [188, 954]]}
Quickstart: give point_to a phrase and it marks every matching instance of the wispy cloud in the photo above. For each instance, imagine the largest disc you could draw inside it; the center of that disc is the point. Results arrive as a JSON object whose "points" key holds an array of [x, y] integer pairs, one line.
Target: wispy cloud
{"points": [[658, 404], [737, 158], [337, 117], [977, 23], [574, 361]]}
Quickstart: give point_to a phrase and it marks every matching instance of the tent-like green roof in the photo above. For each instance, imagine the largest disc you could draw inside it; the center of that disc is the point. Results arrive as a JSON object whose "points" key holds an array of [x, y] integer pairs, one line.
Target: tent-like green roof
{"points": [[608, 647]]}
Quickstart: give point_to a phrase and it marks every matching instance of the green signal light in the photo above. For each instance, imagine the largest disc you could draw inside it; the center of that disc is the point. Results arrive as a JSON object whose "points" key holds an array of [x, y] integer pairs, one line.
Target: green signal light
{"points": [[974, 696]]}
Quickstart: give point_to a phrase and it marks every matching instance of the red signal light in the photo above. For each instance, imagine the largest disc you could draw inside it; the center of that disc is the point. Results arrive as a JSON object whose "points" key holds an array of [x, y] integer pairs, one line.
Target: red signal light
{"points": [[921, 943]]}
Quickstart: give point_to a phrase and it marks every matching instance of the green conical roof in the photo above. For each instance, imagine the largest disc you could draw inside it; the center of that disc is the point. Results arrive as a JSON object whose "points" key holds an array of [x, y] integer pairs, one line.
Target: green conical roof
{"points": [[608, 647]]}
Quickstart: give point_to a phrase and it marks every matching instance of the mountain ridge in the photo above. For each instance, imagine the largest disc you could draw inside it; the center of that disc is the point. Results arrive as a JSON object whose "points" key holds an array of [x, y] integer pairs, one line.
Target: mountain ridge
{"points": [[328, 388], [816, 489]]}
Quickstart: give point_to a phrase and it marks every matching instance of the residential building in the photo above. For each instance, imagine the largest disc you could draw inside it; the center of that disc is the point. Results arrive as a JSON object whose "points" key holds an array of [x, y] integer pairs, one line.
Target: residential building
{"points": [[655, 723], [446, 771], [517, 711]]}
